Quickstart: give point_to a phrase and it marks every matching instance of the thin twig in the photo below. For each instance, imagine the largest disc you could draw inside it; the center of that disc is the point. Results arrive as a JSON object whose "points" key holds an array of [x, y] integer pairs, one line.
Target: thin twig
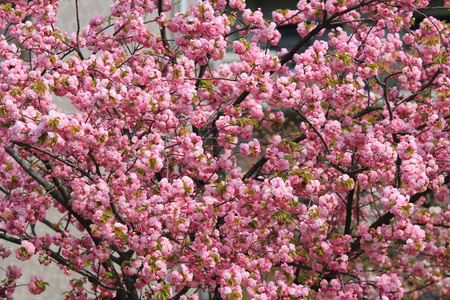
{"points": [[263, 160], [315, 130], [50, 189], [412, 96], [78, 30], [64, 161], [288, 56], [4, 190], [162, 27]]}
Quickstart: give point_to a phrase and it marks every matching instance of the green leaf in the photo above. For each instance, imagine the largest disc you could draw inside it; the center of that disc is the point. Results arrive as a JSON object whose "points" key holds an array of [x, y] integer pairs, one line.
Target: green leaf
{"points": [[43, 138], [418, 246], [232, 20], [283, 217], [222, 188], [246, 43], [293, 203], [234, 295], [164, 294], [324, 105], [255, 123], [8, 167], [216, 258], [307, 176], [53, 140], [103, 138], [109, 275], [205, 83], [78, 282], [54, 123], [125, 263], [13, 179], [187, 189], [42, 284], [291, 144], [253, 224], [173, 258], [152, 163], [3, 110], [74, 129], [40, 87], [440, 59]]}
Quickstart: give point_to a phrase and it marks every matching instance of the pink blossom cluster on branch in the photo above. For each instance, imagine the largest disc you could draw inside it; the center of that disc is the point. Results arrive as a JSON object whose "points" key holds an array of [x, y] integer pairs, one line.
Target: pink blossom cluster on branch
{"points": [[166, 188]]}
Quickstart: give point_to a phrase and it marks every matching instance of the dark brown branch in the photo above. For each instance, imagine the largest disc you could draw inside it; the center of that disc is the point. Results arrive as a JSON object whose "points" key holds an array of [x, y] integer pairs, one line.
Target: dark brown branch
{"points": [[386, 219], [51, 225], [355, 246], [216, 294], [94, 160], [263, 160], [50, 189], [60, 260], [181, 293], [424, 87], [288, 56], [434, 225], [92, 278], [64, 161], [8, 238], [58, 182], [162, 27], [349, 208], [315, 130], [255, 167], [78, 30], [4, 190], [366, 111], [35, 175], [201, 73], [117, 213]]}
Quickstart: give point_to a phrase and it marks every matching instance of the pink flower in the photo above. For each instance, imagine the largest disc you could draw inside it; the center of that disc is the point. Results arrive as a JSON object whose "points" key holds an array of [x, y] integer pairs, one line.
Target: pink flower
{"points": [[26, 251], [37, 286], [252, 149], [13, 272]]}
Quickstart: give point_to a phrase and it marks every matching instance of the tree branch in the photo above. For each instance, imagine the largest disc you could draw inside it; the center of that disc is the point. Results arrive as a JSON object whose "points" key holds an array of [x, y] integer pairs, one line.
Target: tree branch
{"points": [[181, 293], [4, 190], [424, 87], [263, 160], [315, 130], [58, 182], [8, 238], [349, 208], [50, 189], [64, 161], [386, 219], [366, 111], [288, 56], [78, 30], [162, 27]]}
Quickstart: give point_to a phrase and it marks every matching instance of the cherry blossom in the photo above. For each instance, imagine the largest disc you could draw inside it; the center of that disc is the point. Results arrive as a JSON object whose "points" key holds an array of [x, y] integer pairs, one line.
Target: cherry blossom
{"points": [[201, 160]]}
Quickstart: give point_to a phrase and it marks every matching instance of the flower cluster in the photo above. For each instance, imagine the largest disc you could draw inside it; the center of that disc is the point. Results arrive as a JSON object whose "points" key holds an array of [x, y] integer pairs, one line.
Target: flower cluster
{"points": [[305, 173]]}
